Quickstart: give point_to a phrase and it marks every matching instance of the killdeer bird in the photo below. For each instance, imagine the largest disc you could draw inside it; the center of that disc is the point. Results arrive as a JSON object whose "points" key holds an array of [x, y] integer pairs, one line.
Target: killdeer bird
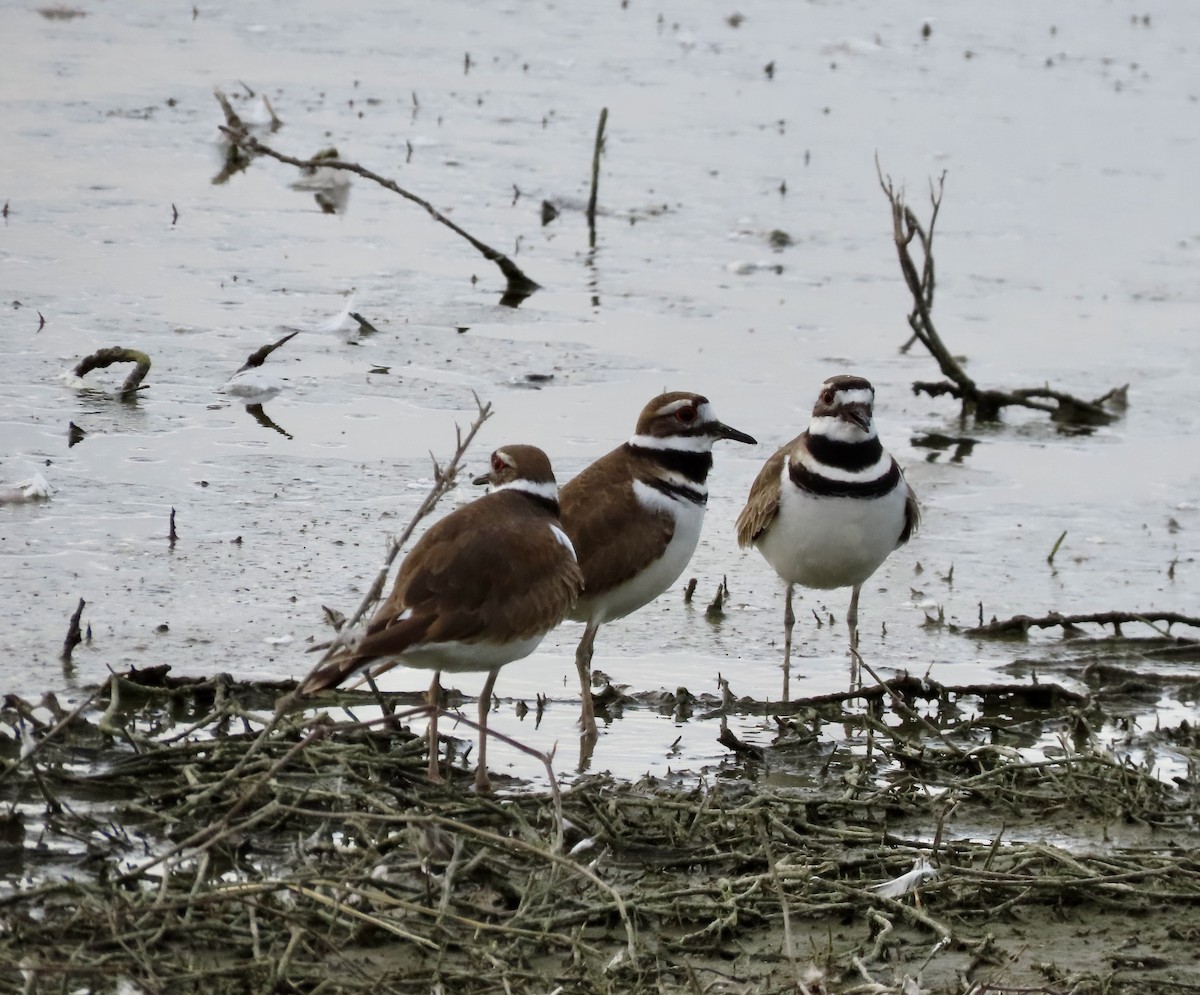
{"points": [[830, 506], [478, 590], [635, 516]]}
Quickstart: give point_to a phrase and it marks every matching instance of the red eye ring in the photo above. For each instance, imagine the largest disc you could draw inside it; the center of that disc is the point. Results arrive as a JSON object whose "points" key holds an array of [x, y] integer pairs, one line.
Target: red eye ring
{"points": [[687, 414], [497, 463], [828, 397]]}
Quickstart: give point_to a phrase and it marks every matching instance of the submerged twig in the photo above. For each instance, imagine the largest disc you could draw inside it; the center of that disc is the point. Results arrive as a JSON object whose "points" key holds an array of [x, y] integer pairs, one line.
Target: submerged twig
{"points": [[985, 404], [519, 286]]}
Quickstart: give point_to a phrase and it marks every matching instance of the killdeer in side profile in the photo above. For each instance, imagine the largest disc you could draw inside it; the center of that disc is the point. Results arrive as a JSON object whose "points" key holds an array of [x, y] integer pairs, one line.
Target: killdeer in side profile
{"points": [[830, 506], [478, 590], [635, 516]]}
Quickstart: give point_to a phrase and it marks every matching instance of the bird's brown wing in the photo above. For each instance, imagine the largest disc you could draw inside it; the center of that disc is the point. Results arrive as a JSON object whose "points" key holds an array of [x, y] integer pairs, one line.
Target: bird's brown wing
{"points": [[614, 537], [500, 574], [763, 502]]}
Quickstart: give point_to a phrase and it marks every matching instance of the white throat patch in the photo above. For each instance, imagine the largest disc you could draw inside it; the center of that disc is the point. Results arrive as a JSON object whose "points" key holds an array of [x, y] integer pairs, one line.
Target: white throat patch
{"points": [[839, 430], [681, 443], [542, 489]]}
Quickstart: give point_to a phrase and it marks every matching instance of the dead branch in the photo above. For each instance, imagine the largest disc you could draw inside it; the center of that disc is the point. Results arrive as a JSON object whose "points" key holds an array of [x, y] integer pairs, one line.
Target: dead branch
{"points": [[116, 354], [596, 150], [984, 404], [74, 636], [1019, 625], [518, 286]]}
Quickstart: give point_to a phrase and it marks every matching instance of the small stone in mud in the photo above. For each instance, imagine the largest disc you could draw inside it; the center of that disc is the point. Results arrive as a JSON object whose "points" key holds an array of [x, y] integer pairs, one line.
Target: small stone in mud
{"points": [[163, 627], [779, 239], [60, 12], [549, 212]]}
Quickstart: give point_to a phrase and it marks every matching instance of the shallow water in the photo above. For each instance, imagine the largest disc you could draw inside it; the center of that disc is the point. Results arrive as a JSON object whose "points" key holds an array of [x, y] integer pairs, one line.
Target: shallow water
{"points": [[1066, 249]]}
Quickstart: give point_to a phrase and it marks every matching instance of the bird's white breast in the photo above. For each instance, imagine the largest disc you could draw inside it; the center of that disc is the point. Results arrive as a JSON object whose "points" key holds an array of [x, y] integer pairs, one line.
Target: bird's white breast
{"points": [[828, 542], [657, 575]]}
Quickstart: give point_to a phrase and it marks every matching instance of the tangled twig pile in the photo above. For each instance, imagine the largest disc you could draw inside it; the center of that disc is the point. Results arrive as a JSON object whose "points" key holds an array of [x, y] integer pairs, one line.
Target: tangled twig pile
{"points": [[327, 863]]}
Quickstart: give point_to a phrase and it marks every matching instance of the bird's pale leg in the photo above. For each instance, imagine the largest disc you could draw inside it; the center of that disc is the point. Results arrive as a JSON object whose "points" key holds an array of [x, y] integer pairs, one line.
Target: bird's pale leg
{"points": [[583, 663], [789, 622], [852, 625], [483, 783], [434, 698]]}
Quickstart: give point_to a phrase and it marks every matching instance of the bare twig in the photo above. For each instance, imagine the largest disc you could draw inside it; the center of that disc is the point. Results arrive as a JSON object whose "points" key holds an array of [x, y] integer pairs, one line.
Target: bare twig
{"points": [[444, 479], [597, 148]]}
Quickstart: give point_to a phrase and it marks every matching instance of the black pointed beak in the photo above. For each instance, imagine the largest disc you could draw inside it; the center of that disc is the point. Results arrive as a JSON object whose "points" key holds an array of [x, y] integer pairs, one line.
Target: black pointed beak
{"points": [[858, 414], [723, 431], [483, 478]]}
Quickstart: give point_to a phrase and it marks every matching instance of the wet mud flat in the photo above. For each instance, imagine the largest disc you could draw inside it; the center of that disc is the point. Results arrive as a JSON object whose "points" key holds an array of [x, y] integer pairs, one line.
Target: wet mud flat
{"points": [[204, 835]]}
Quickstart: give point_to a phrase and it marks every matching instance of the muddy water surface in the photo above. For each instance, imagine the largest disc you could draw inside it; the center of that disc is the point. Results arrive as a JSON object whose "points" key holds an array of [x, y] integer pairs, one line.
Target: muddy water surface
{"points": [[1067, 253]]}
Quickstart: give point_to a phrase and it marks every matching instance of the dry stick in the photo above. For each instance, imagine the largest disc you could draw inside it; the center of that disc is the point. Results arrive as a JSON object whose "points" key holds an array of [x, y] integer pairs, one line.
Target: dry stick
{"points": [[74, 636], [383, 924], [117, 354], [789, 946], [596, 150], [519, 285], [984, 404]]}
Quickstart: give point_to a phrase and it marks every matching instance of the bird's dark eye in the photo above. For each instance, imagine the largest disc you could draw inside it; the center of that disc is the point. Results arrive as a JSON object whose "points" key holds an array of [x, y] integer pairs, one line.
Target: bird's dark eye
{"points": [[687, 414], [828, 396], [497, 463]]}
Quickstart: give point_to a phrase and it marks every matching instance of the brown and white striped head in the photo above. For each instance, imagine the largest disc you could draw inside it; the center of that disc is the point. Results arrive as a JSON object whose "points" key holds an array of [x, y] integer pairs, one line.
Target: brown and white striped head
{"points": [[683, 421], [521, 468], [844, 411]]}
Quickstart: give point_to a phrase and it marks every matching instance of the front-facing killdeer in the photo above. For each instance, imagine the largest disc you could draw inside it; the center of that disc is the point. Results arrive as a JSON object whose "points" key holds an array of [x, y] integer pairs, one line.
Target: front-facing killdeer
{"points": [[478, 590], [830, 506], [635, 516]]}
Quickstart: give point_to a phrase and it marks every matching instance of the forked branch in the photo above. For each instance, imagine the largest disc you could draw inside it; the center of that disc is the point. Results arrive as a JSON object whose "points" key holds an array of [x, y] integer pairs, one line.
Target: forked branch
{"points": [[984, 404]]}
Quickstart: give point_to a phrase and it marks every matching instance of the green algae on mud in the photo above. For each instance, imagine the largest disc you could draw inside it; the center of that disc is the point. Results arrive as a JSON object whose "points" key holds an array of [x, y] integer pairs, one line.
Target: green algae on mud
{"points": [[181, 836]]}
